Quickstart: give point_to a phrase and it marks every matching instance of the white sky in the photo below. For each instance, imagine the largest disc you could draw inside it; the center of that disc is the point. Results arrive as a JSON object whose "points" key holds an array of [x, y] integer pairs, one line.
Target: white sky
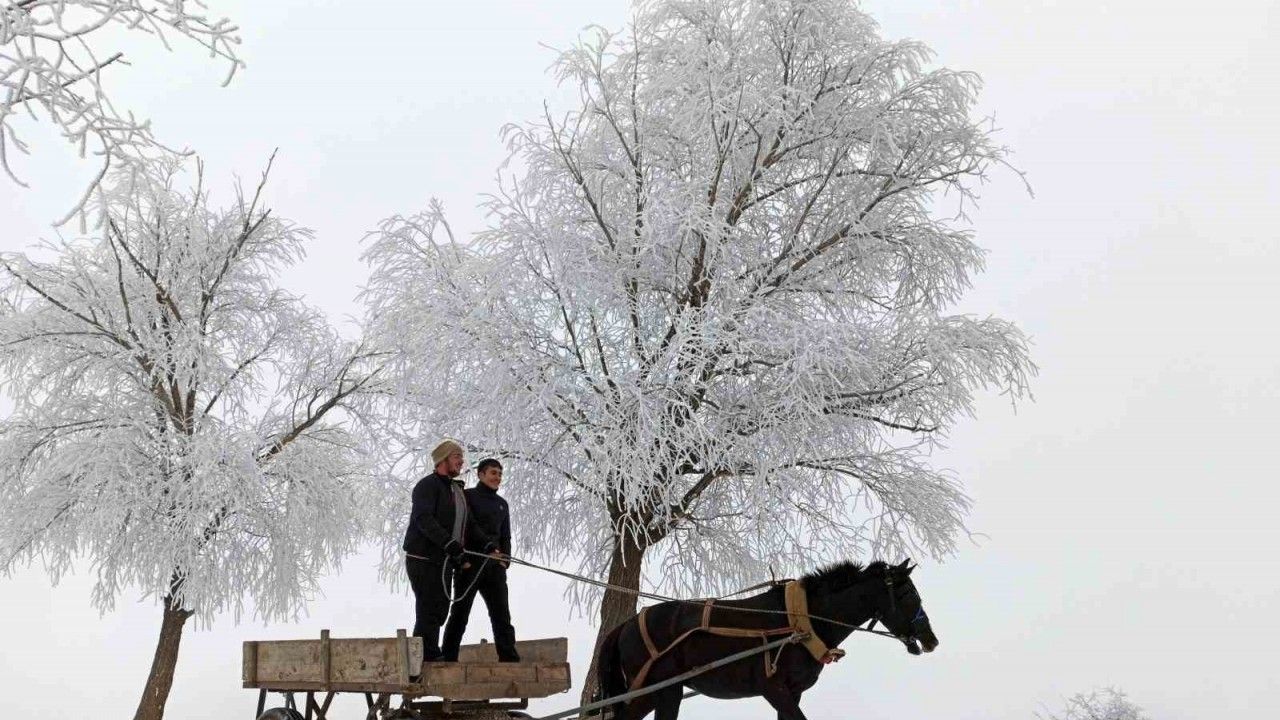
{"points": [[1127, 512]]}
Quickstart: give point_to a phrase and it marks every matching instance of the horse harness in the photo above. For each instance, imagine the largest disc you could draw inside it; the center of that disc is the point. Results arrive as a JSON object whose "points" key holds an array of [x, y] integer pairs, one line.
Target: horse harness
{"points": [[799, 624]]}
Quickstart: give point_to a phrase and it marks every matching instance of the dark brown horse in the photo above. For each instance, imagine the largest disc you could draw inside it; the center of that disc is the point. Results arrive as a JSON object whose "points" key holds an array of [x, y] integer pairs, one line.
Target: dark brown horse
{"points": [[846, 593]]}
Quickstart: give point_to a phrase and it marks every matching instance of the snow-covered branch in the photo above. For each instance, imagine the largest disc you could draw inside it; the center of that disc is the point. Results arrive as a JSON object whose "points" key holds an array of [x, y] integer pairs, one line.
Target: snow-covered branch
{"points": [[51, 64], [179, 420], [1106, 704]]}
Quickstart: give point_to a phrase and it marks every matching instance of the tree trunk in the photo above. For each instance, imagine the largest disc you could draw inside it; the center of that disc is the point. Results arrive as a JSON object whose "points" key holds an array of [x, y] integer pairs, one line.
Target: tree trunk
{"points": [[617, 606], [156, 693]]}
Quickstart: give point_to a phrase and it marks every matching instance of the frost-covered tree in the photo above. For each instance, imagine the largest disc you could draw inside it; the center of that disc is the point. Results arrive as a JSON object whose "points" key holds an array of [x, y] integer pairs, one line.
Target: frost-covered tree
{"points": [[52, 60], [1106, 704], [179, 421], [710, 315]]}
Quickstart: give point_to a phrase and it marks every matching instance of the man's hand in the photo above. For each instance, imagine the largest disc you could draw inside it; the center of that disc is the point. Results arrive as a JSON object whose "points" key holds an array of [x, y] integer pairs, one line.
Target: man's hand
{"points": [[454, 549], [501, 557]]}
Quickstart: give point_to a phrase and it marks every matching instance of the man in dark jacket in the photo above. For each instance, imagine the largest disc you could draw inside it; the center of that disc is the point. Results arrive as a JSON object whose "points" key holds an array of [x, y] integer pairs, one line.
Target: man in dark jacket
{"points": [[438, 532], [489, 577]]}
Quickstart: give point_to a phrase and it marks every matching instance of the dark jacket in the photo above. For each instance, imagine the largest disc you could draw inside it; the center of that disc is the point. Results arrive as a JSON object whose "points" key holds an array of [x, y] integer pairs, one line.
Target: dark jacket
{"points": [[431, 522], [490, 513]]}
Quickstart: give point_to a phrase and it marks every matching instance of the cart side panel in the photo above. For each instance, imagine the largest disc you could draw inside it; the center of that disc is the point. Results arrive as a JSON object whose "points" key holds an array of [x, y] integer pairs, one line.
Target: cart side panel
{"points": [[289, 661], [351, 661], [493, 680], [375, 660], [546, 650]]}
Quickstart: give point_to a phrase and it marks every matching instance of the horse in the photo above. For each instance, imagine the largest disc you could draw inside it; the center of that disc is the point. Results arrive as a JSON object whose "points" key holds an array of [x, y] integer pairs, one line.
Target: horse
{"points": [[671, 638]]}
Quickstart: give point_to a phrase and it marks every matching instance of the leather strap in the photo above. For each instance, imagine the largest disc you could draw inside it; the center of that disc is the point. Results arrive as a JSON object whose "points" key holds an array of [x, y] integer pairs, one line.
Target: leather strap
{"points": [[703, 626], [797, 604], [644, 633], [798, 616]]}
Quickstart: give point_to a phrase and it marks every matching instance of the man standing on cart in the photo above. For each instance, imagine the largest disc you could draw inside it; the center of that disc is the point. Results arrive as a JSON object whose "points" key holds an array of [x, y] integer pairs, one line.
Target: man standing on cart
{"points": [[488, 577], [439, 530]]}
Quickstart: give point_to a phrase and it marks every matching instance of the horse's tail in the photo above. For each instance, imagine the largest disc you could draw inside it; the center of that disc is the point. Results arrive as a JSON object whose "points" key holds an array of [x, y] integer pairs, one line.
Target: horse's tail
{"points": [[609, 672]]}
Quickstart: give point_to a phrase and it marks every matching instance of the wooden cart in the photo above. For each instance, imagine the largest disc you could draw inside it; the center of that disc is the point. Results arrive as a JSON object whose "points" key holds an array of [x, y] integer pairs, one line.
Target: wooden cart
{"points": [[389, 672]]}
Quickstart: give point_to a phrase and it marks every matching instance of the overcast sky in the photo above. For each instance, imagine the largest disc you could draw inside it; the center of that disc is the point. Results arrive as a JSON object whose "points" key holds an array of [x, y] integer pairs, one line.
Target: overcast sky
{"points": [[1126, 514]]}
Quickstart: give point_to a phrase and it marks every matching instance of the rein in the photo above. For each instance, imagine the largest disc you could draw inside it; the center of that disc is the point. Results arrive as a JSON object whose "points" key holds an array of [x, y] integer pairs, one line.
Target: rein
{"points": [[663, 598], [455, 597]]}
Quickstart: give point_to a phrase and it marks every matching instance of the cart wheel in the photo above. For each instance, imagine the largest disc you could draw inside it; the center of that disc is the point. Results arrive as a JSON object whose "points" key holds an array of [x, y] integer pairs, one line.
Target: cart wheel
{"points": [[280, 714]]}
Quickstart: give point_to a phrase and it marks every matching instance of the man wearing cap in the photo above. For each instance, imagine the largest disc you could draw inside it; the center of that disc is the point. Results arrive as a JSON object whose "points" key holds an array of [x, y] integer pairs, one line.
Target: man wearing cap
{"points": [[438, 532], [487, 577]]}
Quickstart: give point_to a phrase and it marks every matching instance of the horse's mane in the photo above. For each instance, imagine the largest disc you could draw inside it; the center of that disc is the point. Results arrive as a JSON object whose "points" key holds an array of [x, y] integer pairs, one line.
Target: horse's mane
{"points": [[837, 576]]}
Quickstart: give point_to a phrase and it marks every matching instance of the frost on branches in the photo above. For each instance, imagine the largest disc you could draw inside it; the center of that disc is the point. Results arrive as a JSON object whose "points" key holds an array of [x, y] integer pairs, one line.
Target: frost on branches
{"points": [[1108, 704], [709, 318], [179, 420], [52, 61]]}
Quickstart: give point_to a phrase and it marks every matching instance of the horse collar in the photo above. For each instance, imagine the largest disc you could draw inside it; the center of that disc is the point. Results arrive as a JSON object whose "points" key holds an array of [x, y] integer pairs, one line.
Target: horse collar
{"points": [[797, 603]]}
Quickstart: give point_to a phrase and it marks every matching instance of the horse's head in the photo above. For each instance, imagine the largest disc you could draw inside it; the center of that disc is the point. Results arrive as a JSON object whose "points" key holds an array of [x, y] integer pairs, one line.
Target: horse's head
{"points": [[901, 610]]}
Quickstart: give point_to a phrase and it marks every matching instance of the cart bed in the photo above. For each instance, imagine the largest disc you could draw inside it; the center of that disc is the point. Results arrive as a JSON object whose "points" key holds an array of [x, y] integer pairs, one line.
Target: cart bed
{"points": [[385, 665]]}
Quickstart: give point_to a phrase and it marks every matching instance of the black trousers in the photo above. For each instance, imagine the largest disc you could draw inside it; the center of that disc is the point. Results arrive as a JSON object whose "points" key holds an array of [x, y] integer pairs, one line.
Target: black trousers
{"points": [[492, 586], [431, 603]]}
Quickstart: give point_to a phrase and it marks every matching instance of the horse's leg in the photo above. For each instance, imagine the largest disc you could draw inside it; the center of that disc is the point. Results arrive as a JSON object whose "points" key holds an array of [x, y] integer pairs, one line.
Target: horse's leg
{"points": [[784, 701], [636, 709], [667, 702]]}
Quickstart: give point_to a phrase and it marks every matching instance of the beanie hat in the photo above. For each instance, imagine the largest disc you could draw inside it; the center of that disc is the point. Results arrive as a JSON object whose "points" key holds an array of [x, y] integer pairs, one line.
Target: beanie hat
{"points": [[444, 450]]}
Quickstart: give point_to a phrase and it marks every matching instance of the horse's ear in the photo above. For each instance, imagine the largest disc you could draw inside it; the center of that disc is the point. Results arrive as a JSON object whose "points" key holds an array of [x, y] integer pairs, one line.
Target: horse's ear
{"points": [[903, 565]]}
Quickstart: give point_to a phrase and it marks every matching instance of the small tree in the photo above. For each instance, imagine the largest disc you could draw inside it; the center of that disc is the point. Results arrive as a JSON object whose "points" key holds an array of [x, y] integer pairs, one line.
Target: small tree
{"points": [[51, 61], [178, 419], [710, 314], [1106, 704]]}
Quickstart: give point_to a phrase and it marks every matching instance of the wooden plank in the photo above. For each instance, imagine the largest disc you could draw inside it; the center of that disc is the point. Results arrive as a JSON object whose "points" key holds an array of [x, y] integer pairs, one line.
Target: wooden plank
{"points": [[496, 690], [339, 687], [383, 665], [288, 661], [544, 687], [493, 680], [444, 673], [556, 674], [415, 654], [501, 672], [435, 708], [326, 657], [545, 650], [375, 661], [402, 656], [249, 662]]}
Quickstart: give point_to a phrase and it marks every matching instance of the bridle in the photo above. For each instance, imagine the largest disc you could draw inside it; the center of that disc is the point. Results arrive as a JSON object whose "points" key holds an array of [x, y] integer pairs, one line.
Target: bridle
{"points": [[907, 640]]}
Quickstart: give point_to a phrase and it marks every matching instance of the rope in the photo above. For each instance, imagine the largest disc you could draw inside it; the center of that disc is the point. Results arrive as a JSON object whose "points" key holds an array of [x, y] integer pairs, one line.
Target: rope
{"points": [[673, 681], [664, 598], [444, 580], [580, 578], [749, 588]]}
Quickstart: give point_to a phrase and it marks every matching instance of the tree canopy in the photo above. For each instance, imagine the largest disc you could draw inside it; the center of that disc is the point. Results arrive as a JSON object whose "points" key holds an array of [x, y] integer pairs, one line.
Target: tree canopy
{"points": [[710, 312]]}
